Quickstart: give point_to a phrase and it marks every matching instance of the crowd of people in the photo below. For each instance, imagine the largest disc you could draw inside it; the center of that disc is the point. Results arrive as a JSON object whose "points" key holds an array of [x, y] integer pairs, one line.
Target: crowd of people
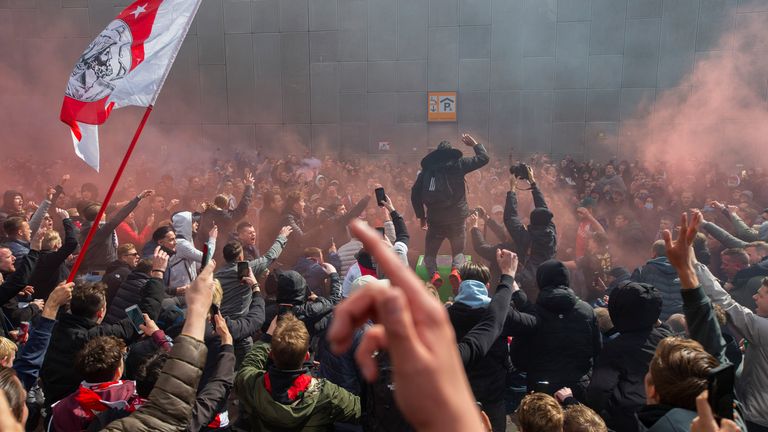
{"points": [[256, 295]]}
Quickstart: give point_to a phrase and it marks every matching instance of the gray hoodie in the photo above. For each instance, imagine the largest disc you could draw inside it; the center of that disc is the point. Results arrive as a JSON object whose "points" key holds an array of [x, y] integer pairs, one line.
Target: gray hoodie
{"points": [[752, 383], [182, 266]]}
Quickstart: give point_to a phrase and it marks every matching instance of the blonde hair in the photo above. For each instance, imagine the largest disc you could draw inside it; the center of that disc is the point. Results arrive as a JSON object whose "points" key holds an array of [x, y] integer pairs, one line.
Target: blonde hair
{"points": [[218, 292], [290, 343], [7, 348], [540, 412], [51, 239]]}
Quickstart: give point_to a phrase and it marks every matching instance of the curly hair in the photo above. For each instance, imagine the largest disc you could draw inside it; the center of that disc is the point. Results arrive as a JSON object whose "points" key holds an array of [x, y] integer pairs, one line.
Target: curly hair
{"points": [[540, 412], [100, 359]]}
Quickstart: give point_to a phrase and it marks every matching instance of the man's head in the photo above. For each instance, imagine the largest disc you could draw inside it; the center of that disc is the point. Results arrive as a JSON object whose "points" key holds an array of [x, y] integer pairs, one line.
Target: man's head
{"points": [[17, 228], [659, 249], [7, 260], [101, 359], [290, 343], [761, 300], [580, 418], [678, 373], [89, 301], [233, 251], [51, 241], [7, 352], [621, 220], [294, 203], [89, 191], [634, 306], [158, 204], [13, 201], [756, 251], [686, 199], [246, 233], [14, 392], [540, 412], [88, 209], [165, 236], [666, 223], [314, 254], [610, 171], [477, 272], [732, 261], [128, 254]]}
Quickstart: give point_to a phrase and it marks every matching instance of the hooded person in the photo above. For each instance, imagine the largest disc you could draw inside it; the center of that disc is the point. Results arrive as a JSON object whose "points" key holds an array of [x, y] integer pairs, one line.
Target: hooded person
{"points": [[487, 375], [616, 391], [535, 243], [293, 296], [562, 342], [441, 190], [182, 266]]}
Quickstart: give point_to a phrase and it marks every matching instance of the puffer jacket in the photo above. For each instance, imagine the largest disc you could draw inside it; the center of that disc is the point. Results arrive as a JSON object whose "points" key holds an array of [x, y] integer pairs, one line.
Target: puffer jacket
{"points": [[565, 340], [182, 266], [170, 404], [660, 273], [127, 295], [450, 161]]}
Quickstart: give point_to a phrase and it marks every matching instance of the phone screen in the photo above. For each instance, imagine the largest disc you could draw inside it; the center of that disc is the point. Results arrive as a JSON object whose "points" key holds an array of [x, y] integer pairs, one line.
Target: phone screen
{"points": [[720, 384], [134, 313], [206, 256], [214, 311], [381, 197], [242, 269]]}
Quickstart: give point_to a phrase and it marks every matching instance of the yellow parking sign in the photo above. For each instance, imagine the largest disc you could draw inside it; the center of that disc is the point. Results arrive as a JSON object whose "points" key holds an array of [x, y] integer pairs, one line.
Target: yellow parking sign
{"points": [[441, 106]]}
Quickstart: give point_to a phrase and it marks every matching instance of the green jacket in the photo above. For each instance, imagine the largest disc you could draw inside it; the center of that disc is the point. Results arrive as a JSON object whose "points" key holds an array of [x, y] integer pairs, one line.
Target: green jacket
{"points": [[321, 405]]}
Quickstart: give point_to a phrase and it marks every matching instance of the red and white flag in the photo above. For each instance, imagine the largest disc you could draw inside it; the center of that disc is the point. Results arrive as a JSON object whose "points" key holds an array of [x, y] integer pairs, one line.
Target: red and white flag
{"points": [[125, 65]]}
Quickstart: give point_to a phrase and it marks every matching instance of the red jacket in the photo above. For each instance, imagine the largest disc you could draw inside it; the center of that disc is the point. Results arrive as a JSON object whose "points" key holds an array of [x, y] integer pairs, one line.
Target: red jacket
{"points": [[126, 234]]}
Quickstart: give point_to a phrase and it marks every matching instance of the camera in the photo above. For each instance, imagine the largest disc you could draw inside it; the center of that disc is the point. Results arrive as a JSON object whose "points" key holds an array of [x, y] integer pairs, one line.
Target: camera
{"points": [[520, 171]]}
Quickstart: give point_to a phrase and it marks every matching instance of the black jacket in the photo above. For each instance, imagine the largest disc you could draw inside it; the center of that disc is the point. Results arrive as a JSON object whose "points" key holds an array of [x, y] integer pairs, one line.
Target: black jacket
{"points": [[225, 220], [292, 290], [455, 167], [488, 251], [117, 273], [487, 373], [617, 388], [128, 294], [15, 282], [72, 332], [564, 340], [534, 244], [50, 268]]}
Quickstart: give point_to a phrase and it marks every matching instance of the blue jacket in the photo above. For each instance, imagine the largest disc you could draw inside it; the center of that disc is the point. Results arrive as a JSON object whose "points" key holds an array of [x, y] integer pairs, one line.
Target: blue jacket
{"points": [[660, 273]]}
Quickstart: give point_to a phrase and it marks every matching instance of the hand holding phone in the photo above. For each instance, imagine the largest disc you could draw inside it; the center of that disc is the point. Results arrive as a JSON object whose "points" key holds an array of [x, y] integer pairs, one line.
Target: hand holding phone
{"points": [[720, 386], [381, 196], [137, 318]]}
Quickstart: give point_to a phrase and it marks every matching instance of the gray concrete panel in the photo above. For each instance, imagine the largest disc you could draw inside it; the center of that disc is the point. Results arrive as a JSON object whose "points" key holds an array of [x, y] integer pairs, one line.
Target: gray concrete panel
{"points": [[412, 20], [607, 27], [382, 30], [570, 106], [323, 15], [474, 75], [641, 55], [474, 42]]}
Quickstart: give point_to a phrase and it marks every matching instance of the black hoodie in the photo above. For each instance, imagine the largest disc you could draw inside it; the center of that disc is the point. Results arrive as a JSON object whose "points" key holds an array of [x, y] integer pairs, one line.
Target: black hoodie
{"points": [[450, 161], [292, 290], [566, 339]]}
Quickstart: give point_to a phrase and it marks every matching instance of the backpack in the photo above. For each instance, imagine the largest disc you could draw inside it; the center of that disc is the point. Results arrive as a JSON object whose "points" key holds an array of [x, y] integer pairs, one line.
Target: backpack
{"points": [[435, 189]]}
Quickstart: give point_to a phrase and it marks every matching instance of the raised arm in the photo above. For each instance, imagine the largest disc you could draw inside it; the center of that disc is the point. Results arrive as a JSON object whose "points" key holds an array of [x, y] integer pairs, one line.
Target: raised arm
{"points": [[480, 159], [261, 263], [245, 202], [723, 236], [699, 314]]}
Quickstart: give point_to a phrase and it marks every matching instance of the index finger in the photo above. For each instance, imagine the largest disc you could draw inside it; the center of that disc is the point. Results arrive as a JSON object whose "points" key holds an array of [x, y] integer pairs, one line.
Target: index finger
{"points": [[400, 275], [703, 408]]}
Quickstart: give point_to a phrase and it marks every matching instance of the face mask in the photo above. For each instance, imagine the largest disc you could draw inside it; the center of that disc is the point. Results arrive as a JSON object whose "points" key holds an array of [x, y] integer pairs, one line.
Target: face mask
{"points": [[649, 206]]}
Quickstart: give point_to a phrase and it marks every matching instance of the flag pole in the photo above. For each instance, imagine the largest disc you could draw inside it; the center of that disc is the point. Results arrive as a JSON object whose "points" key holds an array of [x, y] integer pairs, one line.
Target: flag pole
{"points": [[112, 187]]}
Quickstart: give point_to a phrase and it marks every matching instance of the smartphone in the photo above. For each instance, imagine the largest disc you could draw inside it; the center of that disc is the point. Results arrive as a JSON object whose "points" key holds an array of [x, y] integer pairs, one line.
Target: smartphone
{"points": [[168, 251], [541, 387], [381, 197], [242, 269], [214, 312], [206, 256], [720, 385], [134, 313], [381, 231]]}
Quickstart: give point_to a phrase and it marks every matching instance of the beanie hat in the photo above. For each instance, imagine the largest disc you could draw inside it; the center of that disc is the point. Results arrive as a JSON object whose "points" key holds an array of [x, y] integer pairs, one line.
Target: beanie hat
{"points": [[634, 306]]}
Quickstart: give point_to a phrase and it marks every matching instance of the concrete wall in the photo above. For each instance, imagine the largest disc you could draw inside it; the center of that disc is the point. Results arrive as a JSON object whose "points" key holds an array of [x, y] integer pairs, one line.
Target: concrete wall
{"points": [[557, 76]]}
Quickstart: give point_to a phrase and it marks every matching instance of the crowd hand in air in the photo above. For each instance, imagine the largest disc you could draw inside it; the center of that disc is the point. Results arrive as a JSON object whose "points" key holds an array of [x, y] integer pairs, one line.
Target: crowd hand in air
{"points": [[416, 332]]}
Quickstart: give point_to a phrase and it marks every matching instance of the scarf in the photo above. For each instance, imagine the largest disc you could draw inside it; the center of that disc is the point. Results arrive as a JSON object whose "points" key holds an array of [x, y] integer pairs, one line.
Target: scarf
{"points": [[287, 386], [92, 403]]}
